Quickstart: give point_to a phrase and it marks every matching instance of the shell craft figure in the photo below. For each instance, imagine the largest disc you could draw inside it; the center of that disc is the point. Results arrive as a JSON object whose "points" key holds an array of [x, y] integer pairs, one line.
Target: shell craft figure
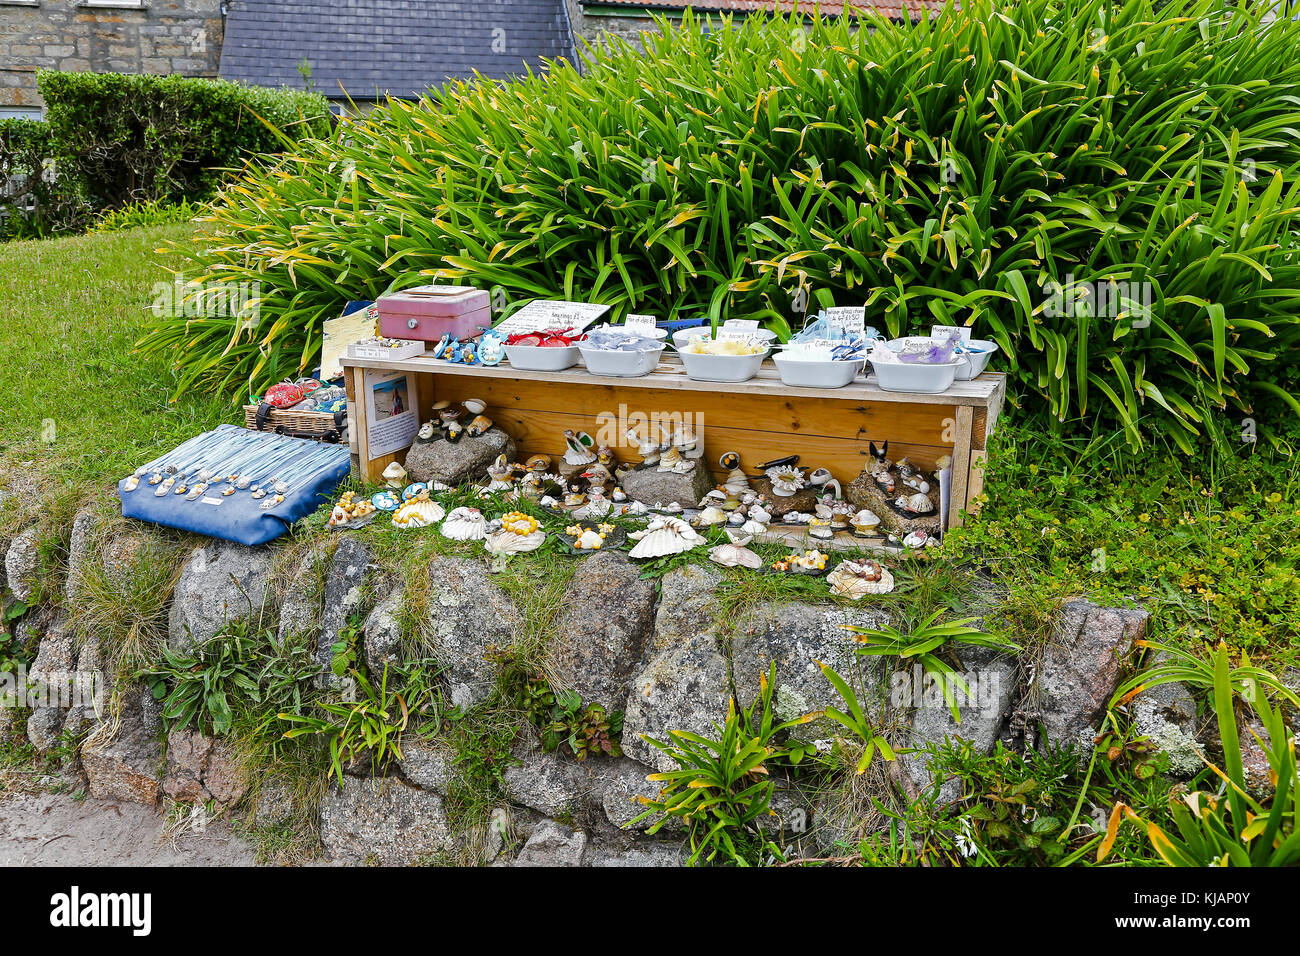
{"points": [[464, 524], [856, 579], [418, 512], [518, 534]]}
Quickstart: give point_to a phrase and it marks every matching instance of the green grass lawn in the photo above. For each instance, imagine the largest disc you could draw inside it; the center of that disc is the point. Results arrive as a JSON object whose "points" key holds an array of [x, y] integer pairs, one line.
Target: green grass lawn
{"points": [[75, 399]]}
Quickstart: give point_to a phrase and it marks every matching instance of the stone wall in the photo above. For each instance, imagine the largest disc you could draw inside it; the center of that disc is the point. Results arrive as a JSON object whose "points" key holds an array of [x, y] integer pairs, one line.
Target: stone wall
{"points": [[669, 656], [593, 27], [163, 36]]}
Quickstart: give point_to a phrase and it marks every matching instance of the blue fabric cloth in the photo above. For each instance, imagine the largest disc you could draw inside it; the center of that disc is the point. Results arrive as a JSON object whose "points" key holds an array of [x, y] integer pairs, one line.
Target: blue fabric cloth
{"points": [[238, 517]]}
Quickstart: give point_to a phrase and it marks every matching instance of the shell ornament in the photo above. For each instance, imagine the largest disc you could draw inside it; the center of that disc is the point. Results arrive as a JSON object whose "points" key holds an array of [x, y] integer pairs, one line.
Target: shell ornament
{"points": [[418, 512], [665, 535], [464, 524]]}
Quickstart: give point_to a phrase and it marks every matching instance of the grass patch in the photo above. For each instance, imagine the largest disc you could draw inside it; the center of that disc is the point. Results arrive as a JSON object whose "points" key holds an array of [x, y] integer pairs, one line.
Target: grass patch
{"points": [[79, 404]]}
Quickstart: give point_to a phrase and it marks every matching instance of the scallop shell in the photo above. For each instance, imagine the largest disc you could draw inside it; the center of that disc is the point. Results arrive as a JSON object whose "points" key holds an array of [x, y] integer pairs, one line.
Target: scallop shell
{"points": [[665, 535], [710, 516], [848, 580], [919, 504], [752, 527], [418, 512], [465, 524], [735, 556], [508, 542]]}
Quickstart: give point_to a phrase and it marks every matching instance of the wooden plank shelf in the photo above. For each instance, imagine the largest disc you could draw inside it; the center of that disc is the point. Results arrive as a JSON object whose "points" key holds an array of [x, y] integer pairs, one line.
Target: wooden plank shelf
{"points": [[762, 419]]}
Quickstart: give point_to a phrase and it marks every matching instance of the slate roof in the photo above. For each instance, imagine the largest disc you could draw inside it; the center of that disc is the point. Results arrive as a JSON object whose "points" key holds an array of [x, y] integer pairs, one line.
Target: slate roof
{"points": [[399, 47], [893, 9]]}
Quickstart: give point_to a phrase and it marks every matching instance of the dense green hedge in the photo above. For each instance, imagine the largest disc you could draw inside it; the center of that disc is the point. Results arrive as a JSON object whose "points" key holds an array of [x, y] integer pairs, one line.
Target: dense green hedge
{"points": [[32, 203], [126, 138], [957, 169]]}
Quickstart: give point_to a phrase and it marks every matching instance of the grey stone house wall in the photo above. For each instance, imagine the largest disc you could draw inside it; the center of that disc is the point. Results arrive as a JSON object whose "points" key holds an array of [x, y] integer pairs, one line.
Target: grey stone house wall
{"points": [[158, 36], [591, 27]]}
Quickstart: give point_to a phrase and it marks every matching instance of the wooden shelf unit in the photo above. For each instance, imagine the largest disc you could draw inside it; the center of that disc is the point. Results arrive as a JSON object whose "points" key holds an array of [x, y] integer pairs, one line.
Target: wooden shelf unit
{"points": [[762, 419]]}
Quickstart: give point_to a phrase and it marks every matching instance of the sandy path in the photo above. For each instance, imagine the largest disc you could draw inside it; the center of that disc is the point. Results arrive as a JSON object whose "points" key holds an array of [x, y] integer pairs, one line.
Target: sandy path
{"points": [[49, 830]]}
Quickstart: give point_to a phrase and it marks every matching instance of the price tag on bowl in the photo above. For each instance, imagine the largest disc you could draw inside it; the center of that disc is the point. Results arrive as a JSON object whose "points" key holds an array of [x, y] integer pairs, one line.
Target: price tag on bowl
{"points": [[641, 323], [943, 332], [741, 325]]}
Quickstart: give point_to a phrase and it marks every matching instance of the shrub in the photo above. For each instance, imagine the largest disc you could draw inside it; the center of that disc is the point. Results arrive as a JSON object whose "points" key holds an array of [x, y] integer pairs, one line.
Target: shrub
{"points": [[126, 138], [984, 167], [140, 215], [32, 203]]}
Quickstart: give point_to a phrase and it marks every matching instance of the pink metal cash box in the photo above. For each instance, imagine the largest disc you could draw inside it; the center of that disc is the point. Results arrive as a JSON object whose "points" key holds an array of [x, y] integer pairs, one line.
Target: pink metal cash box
{"points": [[429, 312]]}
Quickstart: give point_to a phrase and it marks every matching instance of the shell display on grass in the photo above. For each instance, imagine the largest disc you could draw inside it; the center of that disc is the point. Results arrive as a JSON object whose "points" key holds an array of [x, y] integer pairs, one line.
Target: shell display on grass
{"points": [[856, 579], [665, 535], [465, 524], [418, 512], [518, 533]]}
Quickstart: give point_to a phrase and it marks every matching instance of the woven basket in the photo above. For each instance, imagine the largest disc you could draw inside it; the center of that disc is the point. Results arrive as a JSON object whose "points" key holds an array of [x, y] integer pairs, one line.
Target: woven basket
{"points": [[289, 422]]}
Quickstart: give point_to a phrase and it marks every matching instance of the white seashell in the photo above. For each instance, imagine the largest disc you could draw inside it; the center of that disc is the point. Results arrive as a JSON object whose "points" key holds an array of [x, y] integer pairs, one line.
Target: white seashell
{"points": [[665, 535], [589, 540], [737, 536], [854, 579], [752, 527], [710, 516], [507, 542], [547, 501], [735, 556], [465, 524], [419, 512], [919, 504], [759, 513], [796, 517], [917, 539]]}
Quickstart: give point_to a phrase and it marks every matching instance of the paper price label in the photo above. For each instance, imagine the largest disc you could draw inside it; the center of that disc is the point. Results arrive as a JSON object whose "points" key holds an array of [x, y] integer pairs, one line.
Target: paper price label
{"points": [[745, 325], [943, 332], [852, 319], [551, 314], [639, 322]]}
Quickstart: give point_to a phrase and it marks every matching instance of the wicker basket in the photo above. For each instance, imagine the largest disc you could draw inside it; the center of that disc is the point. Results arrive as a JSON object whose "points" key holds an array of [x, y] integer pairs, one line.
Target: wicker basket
{"points": [[319, 425]]}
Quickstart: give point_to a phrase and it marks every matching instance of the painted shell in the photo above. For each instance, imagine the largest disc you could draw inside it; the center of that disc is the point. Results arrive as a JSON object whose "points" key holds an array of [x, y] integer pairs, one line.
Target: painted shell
{"points": [[478, 426], [785, 481], [665, 535], [735, 556], [856, 579], [919, 539], [419, 512], [465, 524], [413, 489], [539, 463], [385, 501], [730, 460]]}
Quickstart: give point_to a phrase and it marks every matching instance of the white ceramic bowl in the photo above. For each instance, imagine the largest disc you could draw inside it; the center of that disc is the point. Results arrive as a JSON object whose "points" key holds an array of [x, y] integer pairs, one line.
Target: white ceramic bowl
{"points": [[721, 368], [620, 363], [974, 363], [915, 377], [816, 373], [682, 336], [540, 358]]}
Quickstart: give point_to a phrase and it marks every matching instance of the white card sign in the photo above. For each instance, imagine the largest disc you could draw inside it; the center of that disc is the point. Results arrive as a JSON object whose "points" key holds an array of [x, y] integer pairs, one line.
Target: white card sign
{"points": [[546, 314], [944, 332], [743, 325], [642, 323], [852, 319]]}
